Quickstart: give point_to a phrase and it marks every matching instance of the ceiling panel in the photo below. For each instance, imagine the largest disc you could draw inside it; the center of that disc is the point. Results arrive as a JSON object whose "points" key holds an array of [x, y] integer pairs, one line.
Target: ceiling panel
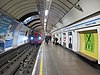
{"points": [[12, 3], [54, 4], [73, 1], [21, 5], [57, 10], [36, 25], [17, 11], [22, 13], [3, 3], [60, 9], [32, 23], [19, 8], [62, 4]]}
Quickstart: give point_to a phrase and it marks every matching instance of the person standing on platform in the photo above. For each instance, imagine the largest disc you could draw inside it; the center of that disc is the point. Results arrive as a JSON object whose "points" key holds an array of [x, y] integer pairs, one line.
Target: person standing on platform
{"points": [[47, 39], [55, 39], [50, 37]]}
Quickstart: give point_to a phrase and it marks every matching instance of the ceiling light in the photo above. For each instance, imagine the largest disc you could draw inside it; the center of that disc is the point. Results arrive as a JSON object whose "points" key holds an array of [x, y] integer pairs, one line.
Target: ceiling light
{"points": [[46, 12], [45, 20], [44, 23]]}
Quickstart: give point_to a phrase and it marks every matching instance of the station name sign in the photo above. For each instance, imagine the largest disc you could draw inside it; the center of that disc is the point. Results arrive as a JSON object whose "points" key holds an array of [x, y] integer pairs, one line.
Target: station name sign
{"points": [[86, 23]]}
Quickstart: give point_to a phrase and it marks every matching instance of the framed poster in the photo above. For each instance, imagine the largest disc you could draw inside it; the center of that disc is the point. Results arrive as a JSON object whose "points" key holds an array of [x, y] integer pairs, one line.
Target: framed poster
{"points": [[7, 27], [70, 40], [60, 38], [89, 43], [64, 39]]}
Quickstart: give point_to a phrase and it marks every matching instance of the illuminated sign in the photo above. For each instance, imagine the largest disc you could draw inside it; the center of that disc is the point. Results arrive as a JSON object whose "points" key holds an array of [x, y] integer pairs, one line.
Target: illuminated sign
{"points": [[29, 19]]}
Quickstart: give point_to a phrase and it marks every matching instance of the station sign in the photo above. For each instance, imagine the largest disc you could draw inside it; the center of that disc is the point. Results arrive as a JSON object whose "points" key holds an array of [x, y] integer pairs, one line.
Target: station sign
{"points": [[86, 23]]}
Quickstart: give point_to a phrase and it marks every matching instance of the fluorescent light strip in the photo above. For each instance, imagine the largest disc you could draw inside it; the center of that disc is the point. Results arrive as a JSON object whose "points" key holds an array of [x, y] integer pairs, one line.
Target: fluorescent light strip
{"points": [[46, 12], [44, 23], [45, 20]]}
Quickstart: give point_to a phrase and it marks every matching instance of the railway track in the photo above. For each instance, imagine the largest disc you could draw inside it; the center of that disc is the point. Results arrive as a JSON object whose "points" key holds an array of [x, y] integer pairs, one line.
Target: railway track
{"points": [[8, 55], [21, 61], [27, 65]]}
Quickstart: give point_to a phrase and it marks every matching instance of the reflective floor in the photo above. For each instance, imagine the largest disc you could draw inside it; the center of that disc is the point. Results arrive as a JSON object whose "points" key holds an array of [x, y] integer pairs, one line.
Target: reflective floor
{"points": [[58, 61]]}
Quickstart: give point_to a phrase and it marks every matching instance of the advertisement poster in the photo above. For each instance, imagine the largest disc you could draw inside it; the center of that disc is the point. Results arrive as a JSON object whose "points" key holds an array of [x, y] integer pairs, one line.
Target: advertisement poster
{"points": [[70, 40], [60, 39], [64, 39], [7, 27], [89, 44]]}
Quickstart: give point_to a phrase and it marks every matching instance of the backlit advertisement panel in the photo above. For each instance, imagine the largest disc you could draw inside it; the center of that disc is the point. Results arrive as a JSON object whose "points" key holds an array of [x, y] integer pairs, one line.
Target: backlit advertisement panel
{"points": [[7, 27]]}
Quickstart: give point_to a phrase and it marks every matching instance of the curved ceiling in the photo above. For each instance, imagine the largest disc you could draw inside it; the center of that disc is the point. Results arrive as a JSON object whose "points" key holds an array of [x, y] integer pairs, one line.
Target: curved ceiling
{"points": [[58, 9], [23, 9]]}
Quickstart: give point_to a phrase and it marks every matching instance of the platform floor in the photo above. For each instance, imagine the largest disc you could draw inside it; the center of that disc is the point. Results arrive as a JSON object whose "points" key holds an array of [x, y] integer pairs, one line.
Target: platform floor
{"points": [[54, 60]]}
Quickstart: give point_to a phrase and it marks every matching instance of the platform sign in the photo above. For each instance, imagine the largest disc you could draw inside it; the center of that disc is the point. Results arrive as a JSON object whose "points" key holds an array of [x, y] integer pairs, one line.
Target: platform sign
{"points": [[89, 43], [70, 40]]}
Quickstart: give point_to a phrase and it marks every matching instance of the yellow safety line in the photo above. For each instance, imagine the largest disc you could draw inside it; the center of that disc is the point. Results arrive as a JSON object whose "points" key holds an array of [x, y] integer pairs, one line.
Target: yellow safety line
{"points": [[41, 66], [41, 62]]}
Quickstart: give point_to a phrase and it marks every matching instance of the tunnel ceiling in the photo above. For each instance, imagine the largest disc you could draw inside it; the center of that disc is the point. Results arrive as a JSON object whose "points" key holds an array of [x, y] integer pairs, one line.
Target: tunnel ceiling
{"points": [[58, 9], [23, 9]]}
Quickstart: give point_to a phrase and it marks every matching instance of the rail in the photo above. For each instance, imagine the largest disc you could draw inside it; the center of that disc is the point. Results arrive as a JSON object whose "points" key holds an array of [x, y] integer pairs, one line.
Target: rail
{"points": [[13, 65]]}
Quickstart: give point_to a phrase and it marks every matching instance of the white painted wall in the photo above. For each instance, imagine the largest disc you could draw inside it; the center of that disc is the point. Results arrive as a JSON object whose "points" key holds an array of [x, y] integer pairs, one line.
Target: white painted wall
{"points": [[62, 39], [21, 35], [15, 39], [76, 38], [77, 43], [98, 29], [58, 38], [67, 39], [89, 7]]}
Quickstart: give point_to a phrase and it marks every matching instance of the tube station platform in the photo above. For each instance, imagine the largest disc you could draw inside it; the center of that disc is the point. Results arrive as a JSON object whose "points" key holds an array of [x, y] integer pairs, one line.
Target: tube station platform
{"points": [[55, 60]]}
